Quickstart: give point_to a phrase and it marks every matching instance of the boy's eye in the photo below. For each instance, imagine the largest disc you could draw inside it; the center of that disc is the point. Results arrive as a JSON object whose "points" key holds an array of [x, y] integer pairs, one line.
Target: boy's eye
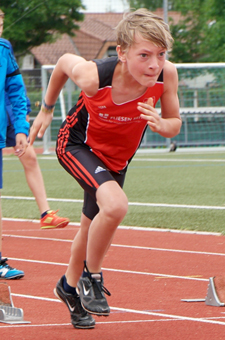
{"points": [[143, 55]]}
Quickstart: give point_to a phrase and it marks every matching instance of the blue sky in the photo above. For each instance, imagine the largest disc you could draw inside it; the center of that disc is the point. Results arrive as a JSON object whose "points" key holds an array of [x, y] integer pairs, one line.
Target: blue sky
{"points": [[105, 5]]}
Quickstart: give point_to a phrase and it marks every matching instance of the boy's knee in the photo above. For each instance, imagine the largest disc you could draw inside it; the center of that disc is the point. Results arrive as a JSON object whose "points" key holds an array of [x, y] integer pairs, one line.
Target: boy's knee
{"points": [[117, 208], [29, 160], [112, 201]]}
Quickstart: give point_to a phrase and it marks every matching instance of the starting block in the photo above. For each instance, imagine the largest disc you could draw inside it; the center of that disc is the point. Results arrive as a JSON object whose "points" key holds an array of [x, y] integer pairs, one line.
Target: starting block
{"points": [[212, 298], [8, 313]]}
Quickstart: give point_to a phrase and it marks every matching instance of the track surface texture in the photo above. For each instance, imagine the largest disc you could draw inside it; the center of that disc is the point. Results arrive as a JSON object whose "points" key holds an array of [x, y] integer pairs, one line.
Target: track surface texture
{"points": [[147, 271]]}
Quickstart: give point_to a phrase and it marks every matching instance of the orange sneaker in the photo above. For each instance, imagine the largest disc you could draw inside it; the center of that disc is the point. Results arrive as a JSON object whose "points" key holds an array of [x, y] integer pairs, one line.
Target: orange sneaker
{"points": [[51, 221]]}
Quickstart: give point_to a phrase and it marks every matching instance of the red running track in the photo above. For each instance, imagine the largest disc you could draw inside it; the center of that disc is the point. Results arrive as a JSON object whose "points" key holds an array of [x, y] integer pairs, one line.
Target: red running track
{"points": [[148, 273]]}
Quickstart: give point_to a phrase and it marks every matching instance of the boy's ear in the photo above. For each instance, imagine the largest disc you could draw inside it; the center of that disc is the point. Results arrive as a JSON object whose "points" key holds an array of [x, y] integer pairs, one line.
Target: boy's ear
{"points": [[121, 54]]}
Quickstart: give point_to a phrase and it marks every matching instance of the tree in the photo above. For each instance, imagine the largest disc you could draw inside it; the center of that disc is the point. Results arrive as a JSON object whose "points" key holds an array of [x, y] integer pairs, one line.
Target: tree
{"points": [[214, 42], [32, 23], [202, 34], [189, 33], [199, 36]]}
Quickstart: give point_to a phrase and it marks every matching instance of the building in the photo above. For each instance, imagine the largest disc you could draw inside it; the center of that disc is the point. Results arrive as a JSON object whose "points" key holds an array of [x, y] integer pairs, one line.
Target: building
{"points": [[95, 39]]}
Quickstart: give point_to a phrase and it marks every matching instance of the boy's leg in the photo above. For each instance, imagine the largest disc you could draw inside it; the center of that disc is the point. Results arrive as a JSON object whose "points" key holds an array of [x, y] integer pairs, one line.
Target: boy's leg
{"points": [[79, 317], [78, 252], [104, 189], [35, 181], [6, 272], [34, 178], [113, 206], [36, 184], [81, 163], [66, 287]]}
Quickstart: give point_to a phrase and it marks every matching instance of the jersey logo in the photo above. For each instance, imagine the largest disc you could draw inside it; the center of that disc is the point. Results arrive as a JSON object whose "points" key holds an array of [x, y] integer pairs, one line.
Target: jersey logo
{"points": [[4, 271], [86, 291], [72, 309], [99, 169], [103, 115], [146, 100]]}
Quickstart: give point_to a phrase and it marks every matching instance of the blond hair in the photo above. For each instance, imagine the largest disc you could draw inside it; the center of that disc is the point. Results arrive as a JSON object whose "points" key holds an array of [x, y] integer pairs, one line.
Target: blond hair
{"points": [[150, 26], [2, 14]]}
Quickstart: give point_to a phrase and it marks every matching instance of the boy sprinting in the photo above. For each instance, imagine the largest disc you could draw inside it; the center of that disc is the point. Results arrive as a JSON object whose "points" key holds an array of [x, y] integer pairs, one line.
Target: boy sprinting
{"points": [[100, 136]]}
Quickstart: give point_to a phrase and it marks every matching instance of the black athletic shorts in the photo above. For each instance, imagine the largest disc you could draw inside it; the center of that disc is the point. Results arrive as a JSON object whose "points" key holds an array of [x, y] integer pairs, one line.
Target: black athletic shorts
{"points": [[10, 136], [90, 172]]}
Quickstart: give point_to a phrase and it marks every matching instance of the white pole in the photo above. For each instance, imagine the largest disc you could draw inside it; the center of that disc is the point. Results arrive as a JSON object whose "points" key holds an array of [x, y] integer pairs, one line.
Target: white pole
{"points": [[165, 10], [165, 17]]}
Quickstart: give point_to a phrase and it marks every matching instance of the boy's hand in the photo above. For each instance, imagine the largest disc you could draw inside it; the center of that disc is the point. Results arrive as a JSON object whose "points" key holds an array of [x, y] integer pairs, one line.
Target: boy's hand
{"points": [[21, 144], [40, 124], [150, 114]]}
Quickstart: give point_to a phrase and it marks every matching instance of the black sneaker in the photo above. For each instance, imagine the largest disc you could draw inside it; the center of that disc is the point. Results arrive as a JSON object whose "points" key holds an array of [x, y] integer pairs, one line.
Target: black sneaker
{"points": [[79, 317], [92, 295]]}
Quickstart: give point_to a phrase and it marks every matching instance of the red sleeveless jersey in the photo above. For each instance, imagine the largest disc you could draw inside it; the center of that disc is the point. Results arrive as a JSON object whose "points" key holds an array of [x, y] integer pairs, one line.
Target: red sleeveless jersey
{"points": [[112, 131]]}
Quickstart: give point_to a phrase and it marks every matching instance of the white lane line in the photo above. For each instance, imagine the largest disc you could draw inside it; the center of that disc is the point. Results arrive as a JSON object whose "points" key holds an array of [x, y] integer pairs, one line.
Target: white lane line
{"points": [[122, 245], [38, 238], [28, 198], [164, 205], [117, 270], [35, 297], [179, 160], [97, 323], [134, 311], [184, 206], [155, 274], [40, 325], [169, 250], [178, 317], [148, 229]]}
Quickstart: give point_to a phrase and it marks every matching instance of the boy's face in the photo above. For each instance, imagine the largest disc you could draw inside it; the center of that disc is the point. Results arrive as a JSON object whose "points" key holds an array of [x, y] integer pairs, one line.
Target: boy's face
{"points": [[1, 25], [145, 61]]}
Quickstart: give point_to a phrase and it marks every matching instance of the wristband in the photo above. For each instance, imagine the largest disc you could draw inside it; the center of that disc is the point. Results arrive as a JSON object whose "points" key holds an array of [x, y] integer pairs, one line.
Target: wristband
{"points": [[47, 108]]}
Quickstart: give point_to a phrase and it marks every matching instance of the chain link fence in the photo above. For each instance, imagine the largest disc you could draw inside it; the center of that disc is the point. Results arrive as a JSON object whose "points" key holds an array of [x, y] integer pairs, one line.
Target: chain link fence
{"points": [[201, 95]]}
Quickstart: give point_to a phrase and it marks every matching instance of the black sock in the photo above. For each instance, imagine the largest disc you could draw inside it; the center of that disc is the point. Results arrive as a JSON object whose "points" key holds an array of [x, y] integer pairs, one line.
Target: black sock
{"points": [[44, 213], [68, 288]]}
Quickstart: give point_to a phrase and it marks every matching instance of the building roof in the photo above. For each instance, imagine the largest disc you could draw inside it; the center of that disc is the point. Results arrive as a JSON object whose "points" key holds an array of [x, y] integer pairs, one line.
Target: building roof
{"points": [[95, 35]]}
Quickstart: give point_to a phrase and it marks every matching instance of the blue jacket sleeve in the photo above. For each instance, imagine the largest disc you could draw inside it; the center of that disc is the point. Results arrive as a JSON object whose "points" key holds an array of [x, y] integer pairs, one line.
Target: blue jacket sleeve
{"points": [[15, 90], [8, 104]]}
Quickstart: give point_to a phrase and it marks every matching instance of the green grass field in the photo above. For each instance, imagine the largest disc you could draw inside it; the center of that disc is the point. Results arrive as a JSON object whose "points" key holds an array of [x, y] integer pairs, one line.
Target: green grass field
{"points": [[194, 181]]}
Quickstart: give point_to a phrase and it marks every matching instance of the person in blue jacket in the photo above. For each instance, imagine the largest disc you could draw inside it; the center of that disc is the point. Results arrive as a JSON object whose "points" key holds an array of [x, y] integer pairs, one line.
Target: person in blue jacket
{"points": [[11, 82], [49, 218]]}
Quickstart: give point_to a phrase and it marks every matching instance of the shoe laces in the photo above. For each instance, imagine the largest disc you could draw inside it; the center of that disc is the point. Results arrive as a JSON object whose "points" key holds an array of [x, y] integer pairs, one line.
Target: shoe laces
{"points": [[99, 288], [4, 264], [52, 212], [97, 284]]}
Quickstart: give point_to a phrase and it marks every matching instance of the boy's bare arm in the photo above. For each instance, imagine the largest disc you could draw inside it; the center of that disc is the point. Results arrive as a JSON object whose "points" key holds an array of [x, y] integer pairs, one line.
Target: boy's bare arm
{"points": [[39, 126], [83, 73]]}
